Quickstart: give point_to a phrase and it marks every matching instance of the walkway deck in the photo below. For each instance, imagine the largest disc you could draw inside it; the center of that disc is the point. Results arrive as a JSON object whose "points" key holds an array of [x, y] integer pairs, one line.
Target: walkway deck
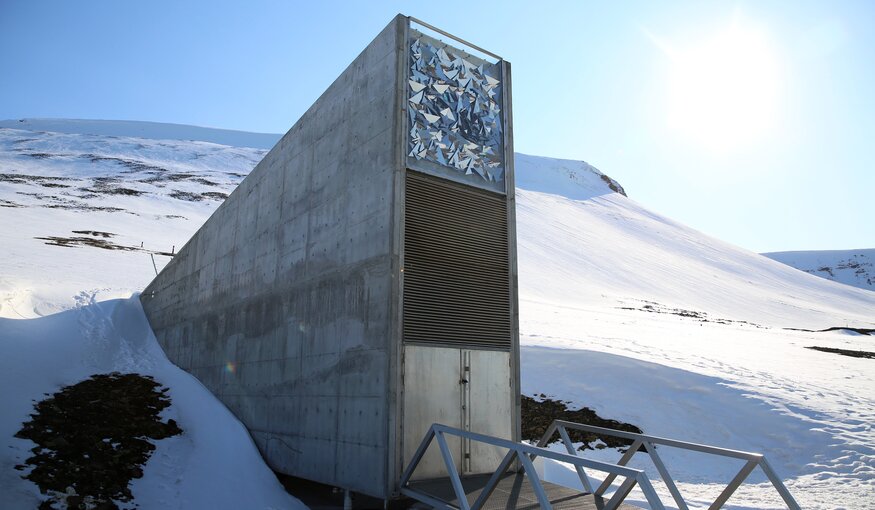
{"points": [[513, 492]]}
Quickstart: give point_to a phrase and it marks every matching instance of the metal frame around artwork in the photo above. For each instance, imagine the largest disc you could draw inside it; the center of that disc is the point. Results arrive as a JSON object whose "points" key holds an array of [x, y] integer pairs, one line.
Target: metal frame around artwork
{"points": [[649, 443], [524, 453], [451, 36]]}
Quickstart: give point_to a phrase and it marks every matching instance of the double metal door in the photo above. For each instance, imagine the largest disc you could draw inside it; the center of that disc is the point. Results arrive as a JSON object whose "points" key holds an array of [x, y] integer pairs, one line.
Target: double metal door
{"points": [[465, 388]]}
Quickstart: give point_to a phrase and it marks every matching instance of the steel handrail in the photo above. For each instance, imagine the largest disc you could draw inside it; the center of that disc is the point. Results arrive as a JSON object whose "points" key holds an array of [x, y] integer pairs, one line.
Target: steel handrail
{"points": [[525, 453], [649, 443]]}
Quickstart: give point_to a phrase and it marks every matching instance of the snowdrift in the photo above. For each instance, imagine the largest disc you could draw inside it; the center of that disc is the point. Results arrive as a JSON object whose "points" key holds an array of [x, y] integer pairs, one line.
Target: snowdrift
{"points": [[213, 464]]}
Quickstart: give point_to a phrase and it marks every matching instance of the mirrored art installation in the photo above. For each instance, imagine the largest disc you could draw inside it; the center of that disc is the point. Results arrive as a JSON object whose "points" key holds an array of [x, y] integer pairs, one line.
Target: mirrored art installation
{"points": [[454, 109]]}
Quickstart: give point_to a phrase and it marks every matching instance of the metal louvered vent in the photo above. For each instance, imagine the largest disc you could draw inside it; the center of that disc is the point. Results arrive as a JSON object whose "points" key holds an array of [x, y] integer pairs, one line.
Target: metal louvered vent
{"points": [[456, 277]]}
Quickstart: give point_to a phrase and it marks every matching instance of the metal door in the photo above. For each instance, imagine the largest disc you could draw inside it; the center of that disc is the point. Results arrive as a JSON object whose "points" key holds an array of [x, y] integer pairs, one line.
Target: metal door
{"points": [[462, 388], [432, 394]]}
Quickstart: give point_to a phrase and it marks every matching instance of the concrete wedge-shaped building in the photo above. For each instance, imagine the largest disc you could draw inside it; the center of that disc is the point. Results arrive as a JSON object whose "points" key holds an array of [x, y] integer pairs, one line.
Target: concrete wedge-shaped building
{"points": [[360, 284]]}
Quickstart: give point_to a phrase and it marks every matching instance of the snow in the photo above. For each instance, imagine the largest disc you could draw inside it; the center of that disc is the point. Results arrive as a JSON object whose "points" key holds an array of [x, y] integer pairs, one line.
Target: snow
{"points": [[610, 250], [37, 279], [576, 180], [851, 267], [82, 318], [151, 130], [621, 310], [650, 322], [213, 464]]}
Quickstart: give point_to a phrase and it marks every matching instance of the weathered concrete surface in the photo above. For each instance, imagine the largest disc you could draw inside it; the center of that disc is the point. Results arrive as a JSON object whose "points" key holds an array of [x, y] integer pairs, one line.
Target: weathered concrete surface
{"points": [[288, 303], [280, 304]]}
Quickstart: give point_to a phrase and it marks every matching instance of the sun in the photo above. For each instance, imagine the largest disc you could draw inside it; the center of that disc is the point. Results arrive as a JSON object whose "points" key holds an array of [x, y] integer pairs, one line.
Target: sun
{"points": [[724, 91]]}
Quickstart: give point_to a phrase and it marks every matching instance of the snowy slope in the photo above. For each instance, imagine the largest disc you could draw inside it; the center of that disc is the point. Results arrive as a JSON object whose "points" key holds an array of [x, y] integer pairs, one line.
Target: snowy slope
{"points": [[119, 193], [622, 310], [154, 193], [151, 130], [610, 249], [653, 323], [851, 267]]}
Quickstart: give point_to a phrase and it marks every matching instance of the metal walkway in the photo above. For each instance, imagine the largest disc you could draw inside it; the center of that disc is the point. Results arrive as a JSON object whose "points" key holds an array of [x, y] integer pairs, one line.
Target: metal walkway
{"points": [[513, 491], [521, 487]]}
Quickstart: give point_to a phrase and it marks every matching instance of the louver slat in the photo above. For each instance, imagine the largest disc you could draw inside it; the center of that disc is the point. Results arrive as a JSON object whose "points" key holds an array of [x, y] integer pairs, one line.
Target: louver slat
{"points": [[456, 276]]}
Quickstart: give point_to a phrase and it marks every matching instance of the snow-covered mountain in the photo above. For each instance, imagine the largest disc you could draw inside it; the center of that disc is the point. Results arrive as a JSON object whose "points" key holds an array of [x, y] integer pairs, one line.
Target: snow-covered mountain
{"points": [[132, 191], [851, 267], [622, 310], [150, 130]]}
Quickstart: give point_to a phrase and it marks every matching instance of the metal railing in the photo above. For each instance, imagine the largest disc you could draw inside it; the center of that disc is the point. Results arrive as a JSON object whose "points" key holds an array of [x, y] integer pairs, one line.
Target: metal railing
{"points": [[649, 443], [524, 453]]}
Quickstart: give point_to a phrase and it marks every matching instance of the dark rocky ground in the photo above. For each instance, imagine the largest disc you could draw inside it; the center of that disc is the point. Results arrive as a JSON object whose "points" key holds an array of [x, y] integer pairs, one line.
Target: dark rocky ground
{"points": [[844, 352], [92, 438], [539, 412]]}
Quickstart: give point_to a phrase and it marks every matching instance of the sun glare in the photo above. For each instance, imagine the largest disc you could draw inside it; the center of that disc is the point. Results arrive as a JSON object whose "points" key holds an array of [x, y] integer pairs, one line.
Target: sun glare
{"points": [[724, 91]]}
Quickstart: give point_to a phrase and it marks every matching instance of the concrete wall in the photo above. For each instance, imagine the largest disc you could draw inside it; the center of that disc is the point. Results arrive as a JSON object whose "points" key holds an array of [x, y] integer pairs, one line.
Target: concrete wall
{"points": [[282, 303]]}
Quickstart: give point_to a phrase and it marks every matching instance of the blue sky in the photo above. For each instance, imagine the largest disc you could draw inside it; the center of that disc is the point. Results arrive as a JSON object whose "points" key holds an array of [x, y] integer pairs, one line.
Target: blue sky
{"points": [[751, 121]]}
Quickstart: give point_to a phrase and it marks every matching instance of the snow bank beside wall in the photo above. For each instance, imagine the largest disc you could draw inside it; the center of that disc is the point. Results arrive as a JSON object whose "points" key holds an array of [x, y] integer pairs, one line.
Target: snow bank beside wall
{"points": [[212, 464]]}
